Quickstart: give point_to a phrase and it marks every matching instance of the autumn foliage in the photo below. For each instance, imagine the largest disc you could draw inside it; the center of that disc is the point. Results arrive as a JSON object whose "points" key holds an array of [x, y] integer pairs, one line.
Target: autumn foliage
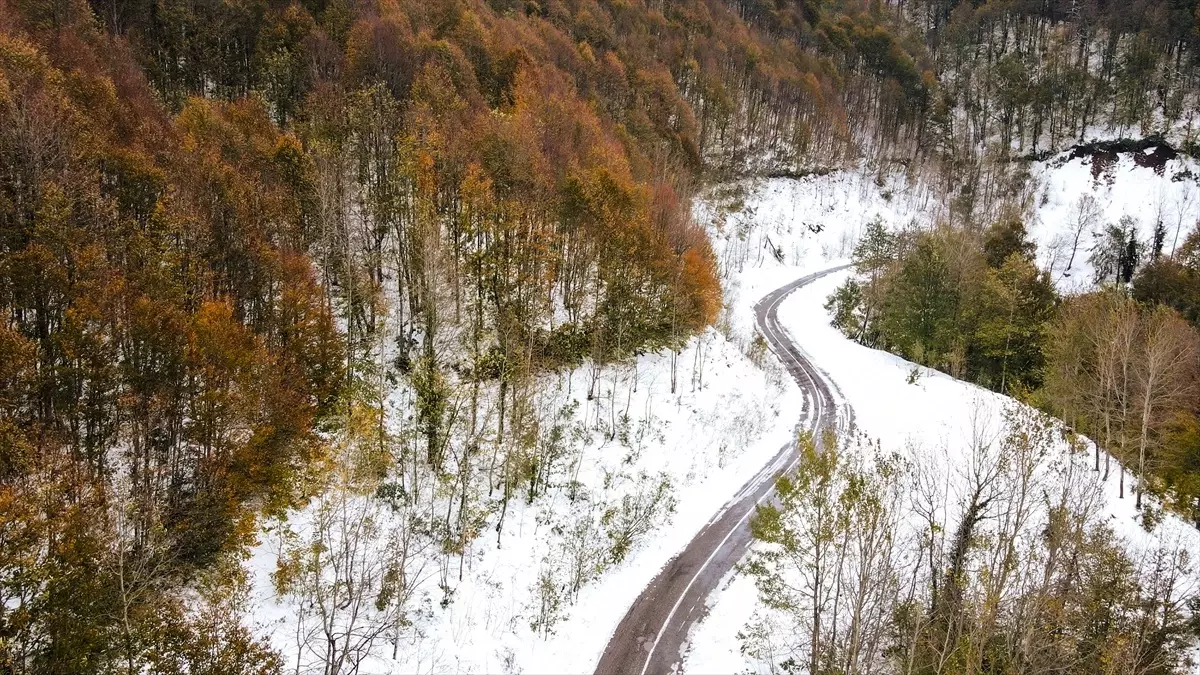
{"points": [[165, 349], [210, 210]]}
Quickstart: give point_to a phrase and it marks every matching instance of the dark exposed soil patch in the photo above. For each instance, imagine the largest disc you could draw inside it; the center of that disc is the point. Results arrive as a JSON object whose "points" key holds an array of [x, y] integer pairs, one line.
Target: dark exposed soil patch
{"points": [[797, 174], [1151, 153]]}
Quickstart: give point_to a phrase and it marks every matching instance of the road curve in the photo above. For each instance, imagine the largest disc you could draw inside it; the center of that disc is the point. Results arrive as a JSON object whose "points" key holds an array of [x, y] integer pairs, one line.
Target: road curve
{"points": [[651, 637]]}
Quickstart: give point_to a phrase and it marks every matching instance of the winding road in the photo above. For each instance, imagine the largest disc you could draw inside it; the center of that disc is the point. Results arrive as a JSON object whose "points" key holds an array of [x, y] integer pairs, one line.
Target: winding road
{"points": [[651, 638]]}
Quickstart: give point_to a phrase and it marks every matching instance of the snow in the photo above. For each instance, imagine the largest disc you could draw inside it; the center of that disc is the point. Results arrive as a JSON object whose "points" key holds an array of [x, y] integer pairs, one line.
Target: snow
{"points": [[934, 413], [709, 438], [819, 217], [1123, 189], [809, 220], [733, 409], [712, 435], [933, 417]]}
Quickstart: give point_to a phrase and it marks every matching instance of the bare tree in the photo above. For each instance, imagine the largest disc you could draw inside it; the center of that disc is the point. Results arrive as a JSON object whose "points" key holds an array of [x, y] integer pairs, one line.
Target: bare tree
{"points": [[1115, 341], [1073, 502], [1183, 212], [929, 498], [335, 570], [1164, 375], [139, 558], [981, 480], [869, 580], [1086, 215]]}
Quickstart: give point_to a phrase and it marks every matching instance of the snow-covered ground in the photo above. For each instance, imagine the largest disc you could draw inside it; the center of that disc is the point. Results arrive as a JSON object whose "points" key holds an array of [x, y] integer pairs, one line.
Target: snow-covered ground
{"points": [[1074, 204], [728, 417], [717, 430], [1070, 205], [936, 416], [800, 223]]}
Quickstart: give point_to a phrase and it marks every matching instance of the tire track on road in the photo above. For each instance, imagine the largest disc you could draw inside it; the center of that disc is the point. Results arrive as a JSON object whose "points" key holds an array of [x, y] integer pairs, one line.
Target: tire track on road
{"points": [[651, 637]]}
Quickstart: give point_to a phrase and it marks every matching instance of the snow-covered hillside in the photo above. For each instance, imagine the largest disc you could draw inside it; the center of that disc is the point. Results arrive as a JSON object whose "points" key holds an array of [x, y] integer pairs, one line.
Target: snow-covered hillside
{"points": [[1076, 199], [932, 419], [1071, 200], [799, 223], [511, 607], [814, 222]]}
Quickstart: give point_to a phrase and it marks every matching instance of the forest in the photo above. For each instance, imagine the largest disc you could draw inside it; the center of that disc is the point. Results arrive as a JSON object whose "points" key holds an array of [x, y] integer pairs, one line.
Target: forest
{"points": [[1118, 364], [227, 226], [856, 562], [230, 230]]}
